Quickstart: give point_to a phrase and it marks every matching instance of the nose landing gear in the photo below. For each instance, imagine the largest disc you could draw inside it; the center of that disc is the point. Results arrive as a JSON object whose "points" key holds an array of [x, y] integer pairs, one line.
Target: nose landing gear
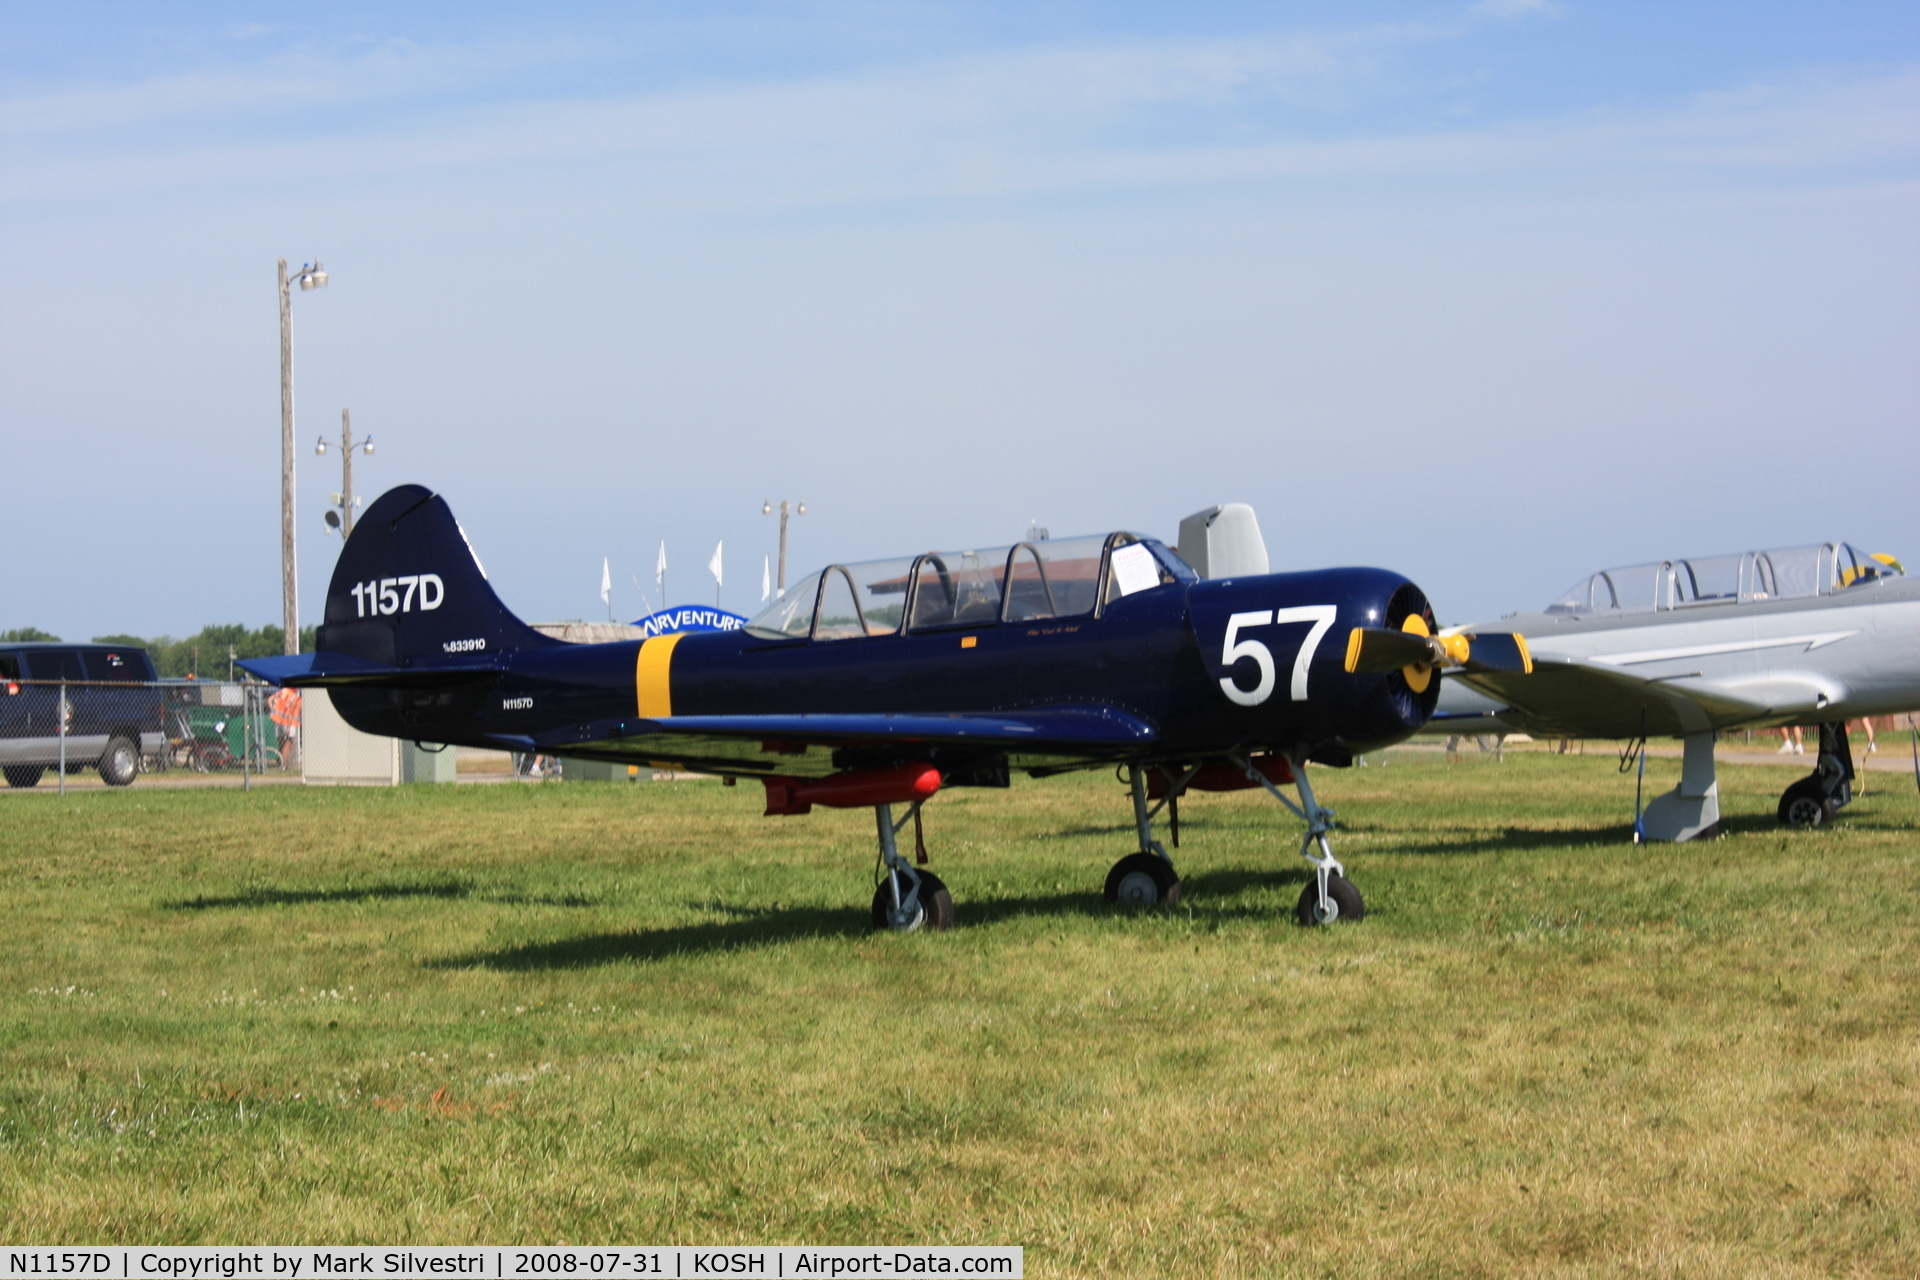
{"points": [[1329, 896]]}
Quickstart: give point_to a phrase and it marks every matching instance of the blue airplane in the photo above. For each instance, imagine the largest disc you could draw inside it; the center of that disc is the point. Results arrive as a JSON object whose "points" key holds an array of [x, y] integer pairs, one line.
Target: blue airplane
{"points": [[879, 684]]}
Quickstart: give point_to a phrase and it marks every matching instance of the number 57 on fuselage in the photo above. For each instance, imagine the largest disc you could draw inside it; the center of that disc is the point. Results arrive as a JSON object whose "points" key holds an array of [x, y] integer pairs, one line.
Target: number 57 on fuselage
{"points": [[878, 684]]}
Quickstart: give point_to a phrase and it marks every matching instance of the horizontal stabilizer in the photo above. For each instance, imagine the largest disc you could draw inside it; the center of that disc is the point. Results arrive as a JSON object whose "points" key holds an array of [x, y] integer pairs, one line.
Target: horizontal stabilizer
{"points": [[327, 669]]}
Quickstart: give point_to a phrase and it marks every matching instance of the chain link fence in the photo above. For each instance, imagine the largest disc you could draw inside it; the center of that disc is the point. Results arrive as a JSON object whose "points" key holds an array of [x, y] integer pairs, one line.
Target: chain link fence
{"points": [[53, 730], [95, 732]]}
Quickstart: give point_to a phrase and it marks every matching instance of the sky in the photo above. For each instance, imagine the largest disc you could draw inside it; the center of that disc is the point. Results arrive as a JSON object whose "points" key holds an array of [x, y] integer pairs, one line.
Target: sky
{"points": [[1490, 292]]}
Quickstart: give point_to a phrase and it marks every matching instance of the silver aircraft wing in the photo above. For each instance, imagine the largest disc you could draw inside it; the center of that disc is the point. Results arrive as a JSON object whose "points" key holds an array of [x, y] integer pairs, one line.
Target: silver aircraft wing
{"points": [[1574, 698]]}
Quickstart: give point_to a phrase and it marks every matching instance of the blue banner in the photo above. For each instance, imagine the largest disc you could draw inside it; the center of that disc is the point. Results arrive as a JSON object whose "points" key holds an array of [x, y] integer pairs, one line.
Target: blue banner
{"points": [[689, 617]]}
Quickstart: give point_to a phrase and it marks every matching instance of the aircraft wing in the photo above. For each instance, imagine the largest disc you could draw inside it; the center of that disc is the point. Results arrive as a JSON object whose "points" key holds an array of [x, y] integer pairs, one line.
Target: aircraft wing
{"points": [[816, 745], [1573, 698]]}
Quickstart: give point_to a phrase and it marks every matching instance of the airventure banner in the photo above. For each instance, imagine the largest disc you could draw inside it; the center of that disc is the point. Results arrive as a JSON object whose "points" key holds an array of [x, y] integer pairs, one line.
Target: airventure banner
{"points": [[689, 617]]}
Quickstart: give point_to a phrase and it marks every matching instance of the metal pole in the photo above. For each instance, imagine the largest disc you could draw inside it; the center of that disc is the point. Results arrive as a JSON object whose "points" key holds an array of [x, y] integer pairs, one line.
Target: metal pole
{"points": [[783, 546], [346, 474], [246, 737], [289, 582], [62, 713]]}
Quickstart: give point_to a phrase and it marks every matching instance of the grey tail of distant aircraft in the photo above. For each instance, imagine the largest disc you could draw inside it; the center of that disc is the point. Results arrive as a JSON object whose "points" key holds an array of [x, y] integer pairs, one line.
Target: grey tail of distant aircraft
{"points": [[408, 588]]}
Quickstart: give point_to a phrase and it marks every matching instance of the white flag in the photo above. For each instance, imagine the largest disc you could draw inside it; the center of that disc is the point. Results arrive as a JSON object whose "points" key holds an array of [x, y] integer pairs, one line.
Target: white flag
{"points": [[766, 579], [660, 570], [606, 581], [713, 565]]}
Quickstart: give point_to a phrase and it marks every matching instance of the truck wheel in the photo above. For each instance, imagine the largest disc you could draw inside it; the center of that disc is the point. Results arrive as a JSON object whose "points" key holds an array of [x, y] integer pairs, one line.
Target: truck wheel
{"points": [[23, 775], [120, 763]]}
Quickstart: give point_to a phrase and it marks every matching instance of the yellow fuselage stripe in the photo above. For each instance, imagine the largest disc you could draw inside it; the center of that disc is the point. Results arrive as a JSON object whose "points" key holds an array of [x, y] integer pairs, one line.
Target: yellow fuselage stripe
{"points": [[650, 676]]}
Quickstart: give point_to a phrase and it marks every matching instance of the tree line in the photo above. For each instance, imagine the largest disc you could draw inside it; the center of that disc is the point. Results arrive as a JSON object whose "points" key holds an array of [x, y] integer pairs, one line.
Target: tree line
{"points": [[205, 654]]}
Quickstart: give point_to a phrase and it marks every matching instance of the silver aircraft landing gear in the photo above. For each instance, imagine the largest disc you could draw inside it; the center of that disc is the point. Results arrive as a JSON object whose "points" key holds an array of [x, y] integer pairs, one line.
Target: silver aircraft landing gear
{"points": [[1146, 878], [1691, 811], [906, 898], [1329, 896]]}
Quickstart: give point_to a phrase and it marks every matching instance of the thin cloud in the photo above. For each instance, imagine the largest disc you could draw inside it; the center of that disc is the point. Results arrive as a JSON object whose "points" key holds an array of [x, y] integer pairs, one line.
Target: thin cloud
{"points": [[1513, 8], [280, 84], [1014, 126]]}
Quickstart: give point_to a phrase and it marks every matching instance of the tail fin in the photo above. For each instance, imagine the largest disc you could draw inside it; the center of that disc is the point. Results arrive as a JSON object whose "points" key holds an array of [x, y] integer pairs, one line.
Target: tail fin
{"points": [[408, 587]]}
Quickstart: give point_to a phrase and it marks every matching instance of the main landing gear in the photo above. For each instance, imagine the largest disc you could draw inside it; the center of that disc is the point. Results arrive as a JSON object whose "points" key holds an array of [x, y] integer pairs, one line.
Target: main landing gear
{"points": [[1148, 878], [906, 899], [1820, 795]]}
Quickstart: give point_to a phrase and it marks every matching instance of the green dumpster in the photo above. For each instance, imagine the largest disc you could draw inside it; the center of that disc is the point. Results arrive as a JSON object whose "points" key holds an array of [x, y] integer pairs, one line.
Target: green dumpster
{"points": [[221, 735]]}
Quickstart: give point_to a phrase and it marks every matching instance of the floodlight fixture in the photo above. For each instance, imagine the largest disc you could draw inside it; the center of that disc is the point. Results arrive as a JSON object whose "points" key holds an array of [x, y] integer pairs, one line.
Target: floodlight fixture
{"points": [[786, 509], [344, 500]]}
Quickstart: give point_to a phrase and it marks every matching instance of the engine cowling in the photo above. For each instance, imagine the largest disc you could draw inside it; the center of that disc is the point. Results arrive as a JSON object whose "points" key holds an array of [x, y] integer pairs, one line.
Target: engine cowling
{"points": [[1274, 649]]}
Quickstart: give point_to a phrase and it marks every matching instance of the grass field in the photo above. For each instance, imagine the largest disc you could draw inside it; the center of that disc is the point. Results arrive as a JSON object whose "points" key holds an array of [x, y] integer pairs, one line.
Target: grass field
{"points": [[604, 1013]]}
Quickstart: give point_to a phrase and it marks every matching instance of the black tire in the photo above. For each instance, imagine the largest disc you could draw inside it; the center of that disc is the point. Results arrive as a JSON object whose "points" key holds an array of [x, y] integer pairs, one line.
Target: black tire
{"points": [[24, 775], [936, 906], [1143, 880], [120, 762], [1347, 903], [1804, 804]]}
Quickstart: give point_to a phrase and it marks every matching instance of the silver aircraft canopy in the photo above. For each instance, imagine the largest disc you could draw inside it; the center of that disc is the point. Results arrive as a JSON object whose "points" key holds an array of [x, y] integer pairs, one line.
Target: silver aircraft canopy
{"points": [[1790, 573]]}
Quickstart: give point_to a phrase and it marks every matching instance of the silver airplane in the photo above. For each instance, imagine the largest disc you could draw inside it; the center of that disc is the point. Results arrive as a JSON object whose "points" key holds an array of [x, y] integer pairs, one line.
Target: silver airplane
{"points": [[1813, 635]]}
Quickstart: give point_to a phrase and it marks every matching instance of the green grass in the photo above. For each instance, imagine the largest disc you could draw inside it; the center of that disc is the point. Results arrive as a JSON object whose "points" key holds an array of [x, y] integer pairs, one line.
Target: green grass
{"points": [[645, 1014]]}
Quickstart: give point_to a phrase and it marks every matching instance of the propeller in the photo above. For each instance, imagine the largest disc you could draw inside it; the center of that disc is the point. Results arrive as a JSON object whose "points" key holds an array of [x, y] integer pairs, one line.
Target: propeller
{"points": [[1415, 654]]}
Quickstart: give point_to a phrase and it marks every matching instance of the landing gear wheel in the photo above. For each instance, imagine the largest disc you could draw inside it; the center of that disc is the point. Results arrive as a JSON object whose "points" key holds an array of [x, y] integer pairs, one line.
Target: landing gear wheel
{"points": [[934, 911], [119, 763], [1347, 904], [1143, 880], [24, 775], [1805, 804]]}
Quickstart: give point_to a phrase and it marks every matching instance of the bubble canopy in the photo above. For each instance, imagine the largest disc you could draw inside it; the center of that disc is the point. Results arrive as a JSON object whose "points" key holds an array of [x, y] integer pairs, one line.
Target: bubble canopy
{"points": [[1787, 574], [1025, 582]]}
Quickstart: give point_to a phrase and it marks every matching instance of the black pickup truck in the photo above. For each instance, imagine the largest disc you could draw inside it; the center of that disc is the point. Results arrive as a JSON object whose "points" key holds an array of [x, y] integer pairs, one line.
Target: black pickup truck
{"points": [[105, 697]]}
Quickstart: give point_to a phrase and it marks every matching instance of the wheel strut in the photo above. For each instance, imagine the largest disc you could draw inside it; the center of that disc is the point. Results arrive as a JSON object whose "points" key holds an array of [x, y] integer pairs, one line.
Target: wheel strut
{"points": [[906, 898], [1146, 878], [1331, 896]]}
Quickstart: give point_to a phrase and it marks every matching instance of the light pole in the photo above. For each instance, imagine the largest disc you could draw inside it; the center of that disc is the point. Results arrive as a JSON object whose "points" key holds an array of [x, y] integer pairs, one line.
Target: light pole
{"points": [[343, 518], [799, 509], [310, 277]]}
